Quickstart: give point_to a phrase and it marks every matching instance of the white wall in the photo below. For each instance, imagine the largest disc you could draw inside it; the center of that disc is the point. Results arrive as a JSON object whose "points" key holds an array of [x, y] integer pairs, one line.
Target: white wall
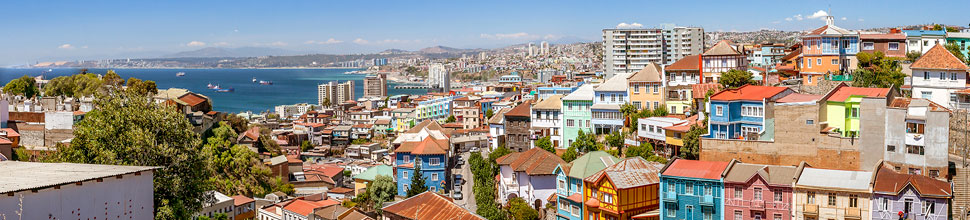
{"points": [[58, 120], [940, 89], [119, 198]]}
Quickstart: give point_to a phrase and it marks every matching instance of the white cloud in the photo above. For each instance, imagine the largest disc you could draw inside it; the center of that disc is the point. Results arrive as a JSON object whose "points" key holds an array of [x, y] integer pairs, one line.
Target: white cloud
{"points": [[66, 46], [520, 35], [551, 37], [818, 14], [798, 17], [235, 30], [625, 25], [861, 20], [221, 44], [360, 41], [328, 41], [195, 44], [278, 44], [843, 18], [391, 41], [788, 19]]}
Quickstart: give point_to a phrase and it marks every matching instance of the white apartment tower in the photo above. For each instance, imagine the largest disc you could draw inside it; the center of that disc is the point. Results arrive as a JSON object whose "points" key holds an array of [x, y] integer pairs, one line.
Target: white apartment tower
{"points": [[627, 50], [544, 48], [438, 78], [532, 49], [335, 93], [375, 85]]}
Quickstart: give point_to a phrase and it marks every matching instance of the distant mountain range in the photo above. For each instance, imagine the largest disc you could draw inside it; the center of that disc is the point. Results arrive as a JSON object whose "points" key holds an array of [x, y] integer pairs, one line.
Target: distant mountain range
{"points": [[234, 52]]}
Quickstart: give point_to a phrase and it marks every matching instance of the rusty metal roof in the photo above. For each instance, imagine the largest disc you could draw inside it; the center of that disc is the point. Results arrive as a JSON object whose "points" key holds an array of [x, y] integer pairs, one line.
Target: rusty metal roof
{"points": [[430, 206], [629, 173]]}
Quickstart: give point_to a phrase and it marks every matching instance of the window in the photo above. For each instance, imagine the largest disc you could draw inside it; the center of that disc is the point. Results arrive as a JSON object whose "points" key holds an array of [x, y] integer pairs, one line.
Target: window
{"points": [[689, 189], [575, 211], [708, 215], [757, 193], [893, 46], [562, 205], [934, 173], [656, 89], [561, 184], [570, 106], [908, 206], [890, 148], [855, 113], [835, 61], [738, 215], [407, 158], [914, 149], [809, 122], [570, 122], [777, 217], [868, 46], [953, 98], [811, 197], [433, 189], [612, 97], [738, 192], [656, 105], [809, 62], [607, 198], [434, 161], [942, 76], [636, 89], [883, 204], [853, 201], [406, 176], [673, 109], [636, 104], [588, 124], [671, 187], [810, 77], [778, 195], [603, 97], [818, 61], [831, 199], [914, 128], [671, 212], [708, 191], [926, 76], [929, 207]]}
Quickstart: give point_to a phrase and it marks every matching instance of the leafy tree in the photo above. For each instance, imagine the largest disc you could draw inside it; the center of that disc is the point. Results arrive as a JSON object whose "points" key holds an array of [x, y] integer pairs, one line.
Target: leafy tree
{"points": [[138, 86], [381, 190], [417, 182], [692, 143], [660, 111], [488, 114], [498, 152], [735, 78], [912, 56], [238, 123], [112, 79], [25, 86], [521, 210], [217, 216], [955, 49], [615, 140], [937, 27], [646, 152], [451, 118], [876, 70], [234, 169], [570, 154], [586, 142], [76, 86], [546, 144], [159, 136], [325, 102], [306, 146], [347, 173]]}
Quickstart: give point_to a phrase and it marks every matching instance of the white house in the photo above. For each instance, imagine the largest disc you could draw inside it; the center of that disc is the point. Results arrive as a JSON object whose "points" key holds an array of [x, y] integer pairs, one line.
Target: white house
{"points": [[923, 40], [496, 128], [529, 175], [69, 190], [651, 129], [222, 204], [937, 75], [547, 120]]}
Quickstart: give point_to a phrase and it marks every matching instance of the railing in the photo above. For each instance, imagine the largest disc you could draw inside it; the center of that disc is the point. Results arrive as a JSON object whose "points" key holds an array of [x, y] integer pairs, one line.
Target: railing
{"points": [[758, 204], [810, 209], [670, 196], [960, 105], [853, 213], [839, 77], [707, 200]]}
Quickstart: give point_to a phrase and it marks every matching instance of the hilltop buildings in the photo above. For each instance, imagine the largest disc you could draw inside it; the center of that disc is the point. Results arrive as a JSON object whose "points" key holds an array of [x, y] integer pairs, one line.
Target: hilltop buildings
{"points": [[938, 75], [829, 50], [629, 49], [722, 57], [333, 93]]}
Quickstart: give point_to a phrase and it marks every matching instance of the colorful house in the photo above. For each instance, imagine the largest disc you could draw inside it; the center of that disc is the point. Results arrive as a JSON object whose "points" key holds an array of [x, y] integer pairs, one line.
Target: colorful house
{"points": [[961, 39], [722, 57], [828, 50], [909, 196], [547, 120], [425, 145], [922, 40], [680, 76], [529, 175], [841, 112], [740, 113], [692, 189], [577, 115], [891, 44], [625, 190], [832, 194], [608, 97], [756, 192], [646, 86], [570, 185], [675, 137], [361, 180], [938, 75]]}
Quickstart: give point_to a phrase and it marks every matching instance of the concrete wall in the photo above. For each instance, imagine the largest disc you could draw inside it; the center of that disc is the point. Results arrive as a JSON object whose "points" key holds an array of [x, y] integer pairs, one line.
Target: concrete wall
{"points": [[114, 198]]}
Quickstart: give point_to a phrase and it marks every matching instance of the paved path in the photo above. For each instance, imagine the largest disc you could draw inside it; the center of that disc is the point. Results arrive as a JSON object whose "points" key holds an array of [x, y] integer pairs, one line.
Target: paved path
{"points": [[468, 194]]}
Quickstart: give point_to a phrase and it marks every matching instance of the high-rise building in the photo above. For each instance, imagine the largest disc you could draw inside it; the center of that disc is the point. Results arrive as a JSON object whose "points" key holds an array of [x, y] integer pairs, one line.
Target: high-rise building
{"points": [[544, 48], [375, 85], [627, 50], [532, 49], [333, 93], [438, 78]]}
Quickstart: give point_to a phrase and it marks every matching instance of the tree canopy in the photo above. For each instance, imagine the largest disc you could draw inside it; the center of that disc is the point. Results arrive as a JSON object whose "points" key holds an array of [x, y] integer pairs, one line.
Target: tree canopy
{"points": [[735, 78], [234, 168], [692, 143], [877, 70], [417, 182], [521, 210], [586, 142], [570, 154], [25, 86], [546, 144]]}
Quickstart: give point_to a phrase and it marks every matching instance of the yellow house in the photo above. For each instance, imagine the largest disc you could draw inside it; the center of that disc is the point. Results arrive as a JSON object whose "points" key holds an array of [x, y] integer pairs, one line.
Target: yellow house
{"points": [[816, 196], [361, 180], [625, 190], [646, 87], [680, 76]]}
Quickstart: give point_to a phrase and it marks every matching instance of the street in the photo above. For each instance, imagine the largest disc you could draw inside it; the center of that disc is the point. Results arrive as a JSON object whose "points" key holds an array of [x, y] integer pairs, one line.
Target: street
{"points": [[468, 200]]}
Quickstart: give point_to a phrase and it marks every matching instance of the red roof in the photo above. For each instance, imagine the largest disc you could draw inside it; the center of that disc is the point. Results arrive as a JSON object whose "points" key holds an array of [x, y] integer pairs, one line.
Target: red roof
{"points": [[696, 169], [748, 92], [891, 182], [305, 207], [939, 58], [428, 146], [576, 197], [430, 206], [691, 62], [5, 141], [192, 99], [340, 190], [843, 93], [293, 159], [535, 161], [10, 132], [239, 200], [522, 110]]}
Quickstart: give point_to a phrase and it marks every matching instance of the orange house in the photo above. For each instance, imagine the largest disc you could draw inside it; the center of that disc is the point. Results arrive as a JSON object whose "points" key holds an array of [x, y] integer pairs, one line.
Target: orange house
{"points": [[626, 190], [828, 50]]}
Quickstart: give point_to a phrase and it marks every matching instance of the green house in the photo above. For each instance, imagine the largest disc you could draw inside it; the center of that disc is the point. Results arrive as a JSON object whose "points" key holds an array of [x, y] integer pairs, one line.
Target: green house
{"points": [[576, 113], [841, 112]]}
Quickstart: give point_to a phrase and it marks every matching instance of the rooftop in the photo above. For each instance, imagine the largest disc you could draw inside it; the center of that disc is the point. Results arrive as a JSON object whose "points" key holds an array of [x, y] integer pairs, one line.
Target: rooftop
{"points": [[430, 206], [590, 163], [629, 173], [584, 92], [554, 102], [893, 183], [650, 73], [616, 84], [841, 94], [691, 62], [748, 92], [822, 178], [20, 176], [535, 161], [772, 174], [722, 47], [696, 169], [938, 58], [799, 97]]}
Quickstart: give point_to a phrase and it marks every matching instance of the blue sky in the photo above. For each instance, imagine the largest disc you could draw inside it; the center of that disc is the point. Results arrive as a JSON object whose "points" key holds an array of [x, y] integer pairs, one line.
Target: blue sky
{"points": [[45, 30]]}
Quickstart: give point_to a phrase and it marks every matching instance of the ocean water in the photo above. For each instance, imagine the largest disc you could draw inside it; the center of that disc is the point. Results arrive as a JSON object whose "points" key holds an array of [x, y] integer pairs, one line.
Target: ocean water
{"points": [[290, 86]]}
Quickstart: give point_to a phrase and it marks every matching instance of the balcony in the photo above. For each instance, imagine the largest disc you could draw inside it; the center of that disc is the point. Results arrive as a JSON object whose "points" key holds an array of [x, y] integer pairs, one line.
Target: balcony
{"points": [[758, 205], [853, 213], [915, 139], [670, 196], [810, 209], [960, 105], [707, 200]]}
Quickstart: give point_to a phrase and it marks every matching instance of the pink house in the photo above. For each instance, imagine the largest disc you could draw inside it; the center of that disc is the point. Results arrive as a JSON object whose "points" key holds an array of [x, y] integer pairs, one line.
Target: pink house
{"points": [[758, 192]]}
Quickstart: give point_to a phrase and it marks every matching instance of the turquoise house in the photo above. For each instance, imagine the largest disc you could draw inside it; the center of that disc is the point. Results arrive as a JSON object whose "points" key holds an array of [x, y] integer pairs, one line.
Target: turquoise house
{"points": [[576, 113], [692, 190], [570, 186]]}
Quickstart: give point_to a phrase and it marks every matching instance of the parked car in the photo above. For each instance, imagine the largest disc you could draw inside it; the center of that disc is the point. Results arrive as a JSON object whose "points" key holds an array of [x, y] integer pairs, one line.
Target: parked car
{"points": [[458, 179], [457, 188], [475, 150], [457, 196]]}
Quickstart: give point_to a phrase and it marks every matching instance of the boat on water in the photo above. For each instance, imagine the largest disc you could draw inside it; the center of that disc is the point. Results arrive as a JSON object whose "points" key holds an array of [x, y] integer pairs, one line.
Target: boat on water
{"points": [[261, 82], [216, 87], [226, 90], [211, 86], [254, 80], [180, 74]]}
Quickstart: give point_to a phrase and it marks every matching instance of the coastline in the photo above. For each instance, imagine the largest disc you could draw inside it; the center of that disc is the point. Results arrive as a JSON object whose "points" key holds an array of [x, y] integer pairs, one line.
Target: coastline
{"points": [[184, 68]]}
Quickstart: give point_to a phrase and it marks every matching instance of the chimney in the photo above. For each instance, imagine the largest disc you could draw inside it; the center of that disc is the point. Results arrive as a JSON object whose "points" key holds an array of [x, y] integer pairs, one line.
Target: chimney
{"points": [[829, 20]]}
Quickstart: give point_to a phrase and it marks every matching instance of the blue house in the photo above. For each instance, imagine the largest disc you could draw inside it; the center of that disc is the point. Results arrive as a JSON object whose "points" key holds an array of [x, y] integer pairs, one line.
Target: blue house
{"points": [[431, 154], [607, 99], [692, 190], [570, 186], [740, 113]]}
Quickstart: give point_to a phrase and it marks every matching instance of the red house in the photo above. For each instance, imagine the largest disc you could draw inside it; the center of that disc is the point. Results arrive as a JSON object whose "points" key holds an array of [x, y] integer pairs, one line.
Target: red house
{"points": [[758, 192]]}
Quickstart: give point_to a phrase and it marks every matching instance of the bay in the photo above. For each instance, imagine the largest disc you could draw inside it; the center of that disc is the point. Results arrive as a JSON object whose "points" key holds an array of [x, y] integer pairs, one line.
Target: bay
{"points": [[290, 86]]}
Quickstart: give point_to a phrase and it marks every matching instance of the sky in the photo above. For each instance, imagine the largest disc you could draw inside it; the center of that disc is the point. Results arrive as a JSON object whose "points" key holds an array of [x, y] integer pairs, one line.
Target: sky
{"points": [[52, 30]]}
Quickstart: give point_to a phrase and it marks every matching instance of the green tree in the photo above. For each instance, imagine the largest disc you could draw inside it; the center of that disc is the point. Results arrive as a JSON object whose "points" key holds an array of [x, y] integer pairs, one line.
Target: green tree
{"points": [[234, 169], [138, 86], [692, 143], [80, 85], [877, 70], [381, 190], [160, 136], [112, 79], [735, 78], [644, 151], [956, 50], [25, 86], [570, 154], [417, 182], [451, 118], [546, 144], [306, 146], [488, 114], [238, 124], [615, 140], [483, 172], [912, 56], [586, 142], [660, 111], [521, 210], [498, 152]]}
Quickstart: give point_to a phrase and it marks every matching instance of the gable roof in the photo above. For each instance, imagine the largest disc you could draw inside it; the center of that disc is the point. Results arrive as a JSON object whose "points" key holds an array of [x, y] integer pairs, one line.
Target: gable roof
{"points": [[331, 212], [650, 73], [904, 102], [748, 92], [939, 58], [192, 99], [239, 200], [799, 97], [691, 62], [722, 47], [590, 163], [535, 161], [430, 206], [428, 123], [698, 91], [584, 92], [890, 182], [772, 174], [840, 94], [306, 207], [427, 146], [554, 102], [822, 178], [830, 30], [371, 173], [521, 110], [617, 83], [629, 173], [696, 169], [498, 116]]}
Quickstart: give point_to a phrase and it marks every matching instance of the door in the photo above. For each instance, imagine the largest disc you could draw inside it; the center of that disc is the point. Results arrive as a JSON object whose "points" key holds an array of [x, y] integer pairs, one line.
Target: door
{"points": [[689, 214]]}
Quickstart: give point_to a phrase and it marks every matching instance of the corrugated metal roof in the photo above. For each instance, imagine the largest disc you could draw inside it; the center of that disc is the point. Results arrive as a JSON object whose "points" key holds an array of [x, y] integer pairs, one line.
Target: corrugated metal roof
{"points": [[616, 84], [430, 206], [822, 178], [630, 172], [20, 176], [584, 92]]}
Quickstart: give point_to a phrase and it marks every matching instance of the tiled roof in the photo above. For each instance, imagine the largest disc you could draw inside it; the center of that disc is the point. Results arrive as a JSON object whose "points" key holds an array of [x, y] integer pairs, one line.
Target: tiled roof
{"points": [[684, 127], [691, 62], [521, 110], [498, 116], [331, 212], [427, 146], [890, 182], [696, 169], [748, 92], [430, 124], [554, 102], [774, 175], [822, 178], [883, 36], [590, 163], [799, 97], [722, 47], [305, 207], [191, 99], [698, 91], [535, 161], [239, 200], [430, 206], [649, 73], [629, 173], [794, 53], [938, 58], [842, 93]]}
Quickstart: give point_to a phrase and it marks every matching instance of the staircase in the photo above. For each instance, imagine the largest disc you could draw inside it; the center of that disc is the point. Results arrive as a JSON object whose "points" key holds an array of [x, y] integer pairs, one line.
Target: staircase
{"points": [[961, 194]]}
